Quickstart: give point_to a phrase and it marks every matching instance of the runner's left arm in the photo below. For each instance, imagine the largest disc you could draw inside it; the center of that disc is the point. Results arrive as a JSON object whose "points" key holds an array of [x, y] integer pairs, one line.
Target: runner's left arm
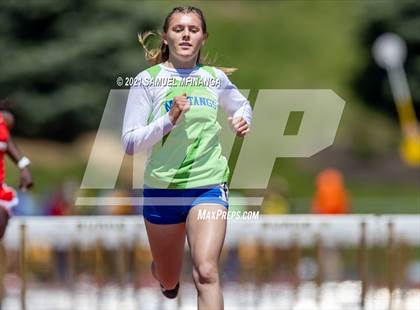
{"points": [[232, 101]]}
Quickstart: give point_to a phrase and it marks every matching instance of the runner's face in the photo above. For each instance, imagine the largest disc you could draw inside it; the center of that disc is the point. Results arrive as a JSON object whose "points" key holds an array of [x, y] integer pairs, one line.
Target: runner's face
{"points": [[185, 35]]}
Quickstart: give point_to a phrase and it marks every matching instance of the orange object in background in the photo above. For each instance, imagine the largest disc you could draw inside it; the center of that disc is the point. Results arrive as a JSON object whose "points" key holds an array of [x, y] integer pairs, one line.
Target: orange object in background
{"points": [[331, 196]]}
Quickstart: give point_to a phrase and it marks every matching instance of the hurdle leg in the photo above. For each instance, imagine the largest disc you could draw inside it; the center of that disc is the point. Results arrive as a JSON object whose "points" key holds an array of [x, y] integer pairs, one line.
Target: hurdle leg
{"points": [[23, 269], [391, 261], [363, 265]]}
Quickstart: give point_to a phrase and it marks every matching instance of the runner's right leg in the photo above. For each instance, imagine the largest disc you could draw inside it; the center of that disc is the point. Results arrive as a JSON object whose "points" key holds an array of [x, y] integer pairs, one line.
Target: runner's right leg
{"points": [[167, 242]]}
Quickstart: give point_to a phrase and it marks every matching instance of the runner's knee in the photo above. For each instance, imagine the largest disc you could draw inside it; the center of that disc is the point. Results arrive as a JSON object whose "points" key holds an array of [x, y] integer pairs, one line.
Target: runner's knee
{"points": [[206, 273]]}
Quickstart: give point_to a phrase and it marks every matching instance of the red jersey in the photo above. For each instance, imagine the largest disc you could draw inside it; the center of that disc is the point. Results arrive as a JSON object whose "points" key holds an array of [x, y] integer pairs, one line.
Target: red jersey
{"points": [[8, 197], [4, 138]]}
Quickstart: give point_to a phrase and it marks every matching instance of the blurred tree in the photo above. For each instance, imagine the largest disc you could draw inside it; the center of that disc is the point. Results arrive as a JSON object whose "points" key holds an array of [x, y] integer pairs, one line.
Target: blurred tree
{"points": [[59, 59], [402, 18]]}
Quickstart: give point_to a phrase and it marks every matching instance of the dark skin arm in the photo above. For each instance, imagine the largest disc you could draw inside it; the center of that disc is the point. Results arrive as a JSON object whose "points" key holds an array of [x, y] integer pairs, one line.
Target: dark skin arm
{"points": [[25, 174], [15, 155]]}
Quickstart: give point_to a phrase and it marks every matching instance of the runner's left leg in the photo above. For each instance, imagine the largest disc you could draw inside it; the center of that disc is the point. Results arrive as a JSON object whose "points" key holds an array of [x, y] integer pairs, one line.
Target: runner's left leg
{"points": [[205, 238]]}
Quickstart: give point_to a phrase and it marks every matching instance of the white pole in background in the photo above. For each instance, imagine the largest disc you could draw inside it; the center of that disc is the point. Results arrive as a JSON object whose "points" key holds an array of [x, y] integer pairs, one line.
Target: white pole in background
{"points": [[390, 52]]}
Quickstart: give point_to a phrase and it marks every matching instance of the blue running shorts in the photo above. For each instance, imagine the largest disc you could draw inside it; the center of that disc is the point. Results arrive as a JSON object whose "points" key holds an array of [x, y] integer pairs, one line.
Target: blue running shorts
{"points": [[171, 206]]}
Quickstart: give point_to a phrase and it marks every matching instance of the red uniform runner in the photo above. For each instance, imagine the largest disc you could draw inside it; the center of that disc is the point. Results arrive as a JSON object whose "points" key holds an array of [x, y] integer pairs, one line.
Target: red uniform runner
{"points": [[8, 198]]}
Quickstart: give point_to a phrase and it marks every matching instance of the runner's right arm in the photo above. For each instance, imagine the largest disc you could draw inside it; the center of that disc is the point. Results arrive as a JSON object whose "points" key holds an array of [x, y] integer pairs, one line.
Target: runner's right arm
{"points": [[137, 134]]}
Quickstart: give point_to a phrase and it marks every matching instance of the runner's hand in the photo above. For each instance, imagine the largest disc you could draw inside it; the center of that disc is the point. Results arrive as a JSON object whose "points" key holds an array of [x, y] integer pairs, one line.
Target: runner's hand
{"points": [[25, 179], [179, 106], [239, 126]]}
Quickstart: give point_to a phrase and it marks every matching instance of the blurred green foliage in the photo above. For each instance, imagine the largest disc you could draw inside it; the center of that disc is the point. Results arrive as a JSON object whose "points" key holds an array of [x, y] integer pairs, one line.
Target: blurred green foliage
{"points": [[59, 59], [402, 18]]}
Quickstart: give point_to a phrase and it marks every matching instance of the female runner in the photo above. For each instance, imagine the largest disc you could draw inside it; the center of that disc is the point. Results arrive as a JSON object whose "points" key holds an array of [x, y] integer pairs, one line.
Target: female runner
{"points": [[186, 174]]}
